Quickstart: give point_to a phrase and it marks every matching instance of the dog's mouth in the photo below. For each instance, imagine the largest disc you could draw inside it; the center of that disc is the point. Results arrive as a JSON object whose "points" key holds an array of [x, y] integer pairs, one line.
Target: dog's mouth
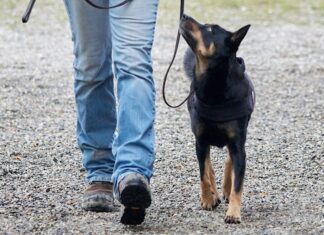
{"points": [[197, 37], [186, 28]]}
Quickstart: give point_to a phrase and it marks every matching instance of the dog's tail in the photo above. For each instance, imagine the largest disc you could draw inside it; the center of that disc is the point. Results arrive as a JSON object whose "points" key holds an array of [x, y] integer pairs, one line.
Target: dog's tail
{"points": [[189, 63]]}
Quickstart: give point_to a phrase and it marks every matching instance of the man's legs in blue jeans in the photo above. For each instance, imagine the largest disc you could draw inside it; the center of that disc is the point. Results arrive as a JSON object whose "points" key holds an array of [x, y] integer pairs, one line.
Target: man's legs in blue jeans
{"points": [[132, 28], [123, 35]]}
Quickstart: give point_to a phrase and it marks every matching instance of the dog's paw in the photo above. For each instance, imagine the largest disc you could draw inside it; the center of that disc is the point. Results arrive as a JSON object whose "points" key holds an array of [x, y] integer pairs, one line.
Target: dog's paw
{"points": [[210, 203], [232, 219]]}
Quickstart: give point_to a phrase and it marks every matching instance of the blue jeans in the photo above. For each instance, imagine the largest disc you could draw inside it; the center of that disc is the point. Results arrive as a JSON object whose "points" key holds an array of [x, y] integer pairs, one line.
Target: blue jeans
{"points": [[114, 43]]}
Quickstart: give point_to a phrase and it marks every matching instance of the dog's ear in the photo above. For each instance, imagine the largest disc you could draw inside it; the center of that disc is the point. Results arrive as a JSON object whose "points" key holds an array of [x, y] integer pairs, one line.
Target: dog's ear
{"points": [[238, 36]]}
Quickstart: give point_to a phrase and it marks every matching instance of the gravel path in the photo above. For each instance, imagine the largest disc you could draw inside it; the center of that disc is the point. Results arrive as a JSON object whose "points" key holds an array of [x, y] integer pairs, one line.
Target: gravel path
{"points": [[41, 178]]}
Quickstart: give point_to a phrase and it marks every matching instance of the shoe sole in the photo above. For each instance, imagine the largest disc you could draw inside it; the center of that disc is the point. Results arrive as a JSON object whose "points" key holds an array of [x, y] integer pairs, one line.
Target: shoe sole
{"points": [[98, 208], [99, 203], [135, 198]]}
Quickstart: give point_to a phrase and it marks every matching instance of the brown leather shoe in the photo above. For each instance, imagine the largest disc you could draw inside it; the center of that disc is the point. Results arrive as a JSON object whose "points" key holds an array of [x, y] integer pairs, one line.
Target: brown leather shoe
{"points": [[135, 195], [98, 197]]}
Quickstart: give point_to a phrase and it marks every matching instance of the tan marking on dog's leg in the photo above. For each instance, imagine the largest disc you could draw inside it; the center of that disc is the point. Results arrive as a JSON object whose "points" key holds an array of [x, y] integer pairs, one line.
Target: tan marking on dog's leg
{"points": [[213, 184], [227, 180], [233, 214], [209, 195]]}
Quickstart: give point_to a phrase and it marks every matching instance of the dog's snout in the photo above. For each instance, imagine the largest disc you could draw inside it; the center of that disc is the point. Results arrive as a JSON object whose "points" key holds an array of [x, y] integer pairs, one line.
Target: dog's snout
{"points": [[184, 17]]}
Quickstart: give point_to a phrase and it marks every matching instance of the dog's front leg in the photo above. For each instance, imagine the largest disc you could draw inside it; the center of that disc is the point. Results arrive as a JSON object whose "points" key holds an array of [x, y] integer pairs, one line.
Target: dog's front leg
{"points": [[208, 196], [237, 155]]}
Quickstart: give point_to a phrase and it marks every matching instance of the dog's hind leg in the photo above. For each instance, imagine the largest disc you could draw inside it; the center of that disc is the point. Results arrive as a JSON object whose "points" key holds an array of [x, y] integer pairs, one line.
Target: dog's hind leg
{"points": [[237, 153], [209, 195], [213, 182], [227, 179]]}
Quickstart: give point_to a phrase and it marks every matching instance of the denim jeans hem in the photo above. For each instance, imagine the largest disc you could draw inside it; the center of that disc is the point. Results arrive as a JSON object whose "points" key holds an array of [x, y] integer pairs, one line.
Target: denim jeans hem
{"points": [[100, 179]]}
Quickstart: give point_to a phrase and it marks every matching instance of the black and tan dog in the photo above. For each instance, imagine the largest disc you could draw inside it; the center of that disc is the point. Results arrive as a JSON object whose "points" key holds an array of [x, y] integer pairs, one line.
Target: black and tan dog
{"points": [[220, 108]]}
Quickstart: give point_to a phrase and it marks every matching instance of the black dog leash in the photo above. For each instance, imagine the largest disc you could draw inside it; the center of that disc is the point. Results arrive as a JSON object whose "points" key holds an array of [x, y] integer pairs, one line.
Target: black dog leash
{"points": [[171, 63], [29, 9], [174, 54], [30, 6]]}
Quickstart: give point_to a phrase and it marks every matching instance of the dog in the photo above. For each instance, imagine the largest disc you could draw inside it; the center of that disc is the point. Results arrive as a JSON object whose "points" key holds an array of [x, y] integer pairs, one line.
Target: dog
{"points": [[220, 108]]}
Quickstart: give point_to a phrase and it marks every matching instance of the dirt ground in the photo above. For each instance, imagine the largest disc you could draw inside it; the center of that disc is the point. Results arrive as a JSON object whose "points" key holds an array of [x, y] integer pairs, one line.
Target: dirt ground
{"points": [[41, 177]]}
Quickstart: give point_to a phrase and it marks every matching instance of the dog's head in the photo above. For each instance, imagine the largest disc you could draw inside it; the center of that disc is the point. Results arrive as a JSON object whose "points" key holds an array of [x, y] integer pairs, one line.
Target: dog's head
{"points": [[209, 41]]}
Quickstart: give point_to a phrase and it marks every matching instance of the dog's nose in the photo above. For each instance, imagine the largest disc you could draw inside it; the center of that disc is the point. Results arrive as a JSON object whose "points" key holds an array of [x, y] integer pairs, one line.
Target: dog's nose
{"points": [[184, 17]]}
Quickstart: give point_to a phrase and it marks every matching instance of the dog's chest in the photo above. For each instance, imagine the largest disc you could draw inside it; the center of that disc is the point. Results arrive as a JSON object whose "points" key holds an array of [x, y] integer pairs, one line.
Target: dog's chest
{"points": [[216, 135]]}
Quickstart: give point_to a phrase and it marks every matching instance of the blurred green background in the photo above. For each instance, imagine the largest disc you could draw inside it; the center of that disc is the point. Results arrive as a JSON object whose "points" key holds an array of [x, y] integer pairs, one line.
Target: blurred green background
{"points": [[254, 11], [257, 12]]}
